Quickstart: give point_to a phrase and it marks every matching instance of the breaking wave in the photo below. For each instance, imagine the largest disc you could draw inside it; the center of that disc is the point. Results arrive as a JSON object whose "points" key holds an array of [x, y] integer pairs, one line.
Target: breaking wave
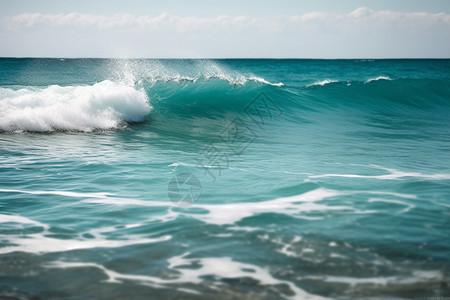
{"points": [[104, 105]]}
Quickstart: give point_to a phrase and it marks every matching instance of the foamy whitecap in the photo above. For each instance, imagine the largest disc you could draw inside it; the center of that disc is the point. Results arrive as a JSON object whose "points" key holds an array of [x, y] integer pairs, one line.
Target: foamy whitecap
{"points": [[262, 80], [104, 105], [238, 80], [322, 83], [378, 78]]}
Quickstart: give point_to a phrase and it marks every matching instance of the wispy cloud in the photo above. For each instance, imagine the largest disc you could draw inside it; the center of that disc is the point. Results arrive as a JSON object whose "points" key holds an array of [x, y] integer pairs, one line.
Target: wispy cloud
{"points": [[360, 16], [311, 34]]}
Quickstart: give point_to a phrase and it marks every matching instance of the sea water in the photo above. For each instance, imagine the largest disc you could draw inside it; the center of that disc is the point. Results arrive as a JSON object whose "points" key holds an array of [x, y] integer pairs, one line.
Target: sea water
{"points": [[224, 179]]}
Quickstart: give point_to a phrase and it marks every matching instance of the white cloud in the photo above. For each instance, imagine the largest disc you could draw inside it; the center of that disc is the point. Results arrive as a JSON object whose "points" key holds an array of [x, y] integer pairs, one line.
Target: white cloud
{"points": [[358, 16], [119, 21], [360, 33]]}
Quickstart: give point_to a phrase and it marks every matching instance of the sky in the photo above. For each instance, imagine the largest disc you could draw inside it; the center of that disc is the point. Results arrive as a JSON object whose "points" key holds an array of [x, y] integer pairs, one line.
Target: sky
{"points": [[226, 29]]}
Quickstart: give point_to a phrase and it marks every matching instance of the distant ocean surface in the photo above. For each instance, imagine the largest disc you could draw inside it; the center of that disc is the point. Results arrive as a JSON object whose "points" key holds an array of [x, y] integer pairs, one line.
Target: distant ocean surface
{"points": [[224, 179]]}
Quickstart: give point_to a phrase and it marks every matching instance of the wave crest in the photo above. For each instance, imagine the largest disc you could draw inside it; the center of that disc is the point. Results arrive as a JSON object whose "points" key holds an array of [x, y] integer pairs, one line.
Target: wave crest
{"points": [[104, 105], [323, 82], [378, 78], [328, 81], [234, 81]]}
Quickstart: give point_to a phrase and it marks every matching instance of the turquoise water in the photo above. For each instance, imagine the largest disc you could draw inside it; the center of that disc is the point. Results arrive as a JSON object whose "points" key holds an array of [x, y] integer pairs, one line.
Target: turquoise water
{"points": [[232, 179]]}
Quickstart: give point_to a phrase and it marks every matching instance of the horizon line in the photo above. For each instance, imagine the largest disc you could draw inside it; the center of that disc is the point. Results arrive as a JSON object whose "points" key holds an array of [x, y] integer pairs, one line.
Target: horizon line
{"points": [[223, 58]]}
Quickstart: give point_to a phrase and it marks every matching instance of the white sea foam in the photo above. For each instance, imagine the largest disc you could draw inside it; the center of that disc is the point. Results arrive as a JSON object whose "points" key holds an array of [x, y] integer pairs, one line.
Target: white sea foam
{"points": [[39, 243], [60, 193], [262, 80], [328, 81], [322, 83], [417, 276], [236, 80], [378, 78], [286, 247], [393, 175], [222, 267], [440, 203], [231, 213], [336, 255], [245, 228], [406, 209], [240, 80], [21, 220], [297, 206], [104, 105], [44, 242]]}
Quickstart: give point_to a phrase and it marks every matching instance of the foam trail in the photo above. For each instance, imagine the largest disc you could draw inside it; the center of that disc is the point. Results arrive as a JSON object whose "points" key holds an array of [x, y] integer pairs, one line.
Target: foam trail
{"points": [[223, 267], [21, 220], [39, 243], [228, 214], [104, 105], [393, 175], [408, 206], [59, 193], [231, 213], [417, 277]]}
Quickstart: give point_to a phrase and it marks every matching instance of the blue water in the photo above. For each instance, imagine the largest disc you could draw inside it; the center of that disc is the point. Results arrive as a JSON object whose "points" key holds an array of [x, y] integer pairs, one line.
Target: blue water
{"points": [[232, 179]]}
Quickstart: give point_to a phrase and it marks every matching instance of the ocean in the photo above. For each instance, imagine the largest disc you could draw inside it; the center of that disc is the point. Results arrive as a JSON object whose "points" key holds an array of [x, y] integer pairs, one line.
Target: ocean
{"points": [[224, 179]]}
